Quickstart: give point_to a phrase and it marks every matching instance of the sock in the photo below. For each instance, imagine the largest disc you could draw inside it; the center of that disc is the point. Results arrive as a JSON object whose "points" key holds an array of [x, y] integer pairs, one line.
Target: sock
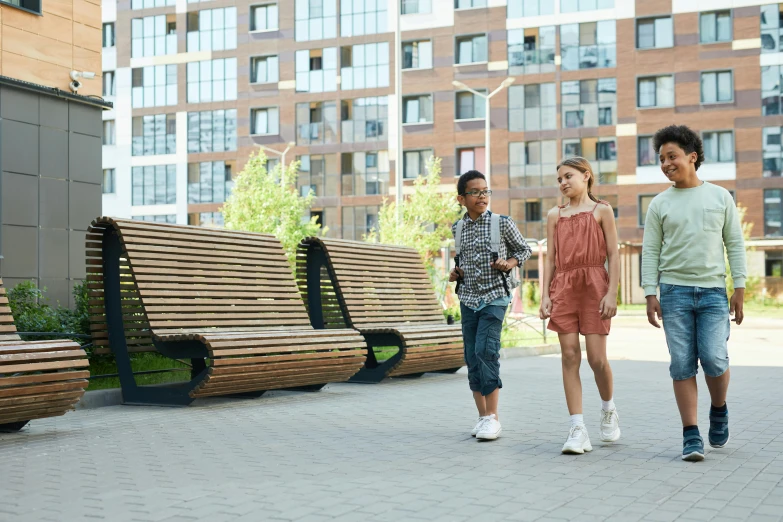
{"points": [[719, 409], [577, 420], [687, 429], [608, 405]]}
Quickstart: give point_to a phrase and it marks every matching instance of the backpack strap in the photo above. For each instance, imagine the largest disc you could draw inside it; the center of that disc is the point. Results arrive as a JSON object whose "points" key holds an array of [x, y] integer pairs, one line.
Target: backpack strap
{"points": [[458, 237], [494, 234]]}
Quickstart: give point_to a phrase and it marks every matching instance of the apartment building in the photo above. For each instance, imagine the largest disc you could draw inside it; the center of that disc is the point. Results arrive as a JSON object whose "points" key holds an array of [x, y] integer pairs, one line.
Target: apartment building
{"points": [[50, 140], [198, 86]]}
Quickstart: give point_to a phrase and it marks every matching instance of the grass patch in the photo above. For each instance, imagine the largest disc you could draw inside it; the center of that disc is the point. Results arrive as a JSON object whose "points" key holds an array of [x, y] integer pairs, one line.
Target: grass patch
{"points": [[106, 365], [384, 353], [525, 336]]}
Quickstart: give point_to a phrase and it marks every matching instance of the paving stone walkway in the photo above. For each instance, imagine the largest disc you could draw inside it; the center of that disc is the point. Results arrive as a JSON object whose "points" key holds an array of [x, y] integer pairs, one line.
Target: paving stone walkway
{"points": [[401, 450]]}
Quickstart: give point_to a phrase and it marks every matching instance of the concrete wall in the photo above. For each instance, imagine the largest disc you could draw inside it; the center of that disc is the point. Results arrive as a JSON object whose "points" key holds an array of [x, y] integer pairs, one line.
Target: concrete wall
{"points": [[50, 188]]}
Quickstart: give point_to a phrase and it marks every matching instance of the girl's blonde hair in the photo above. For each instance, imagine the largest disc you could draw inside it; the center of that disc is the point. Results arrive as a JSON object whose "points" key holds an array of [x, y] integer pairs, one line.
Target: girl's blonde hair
{"points": [[583, 166]]}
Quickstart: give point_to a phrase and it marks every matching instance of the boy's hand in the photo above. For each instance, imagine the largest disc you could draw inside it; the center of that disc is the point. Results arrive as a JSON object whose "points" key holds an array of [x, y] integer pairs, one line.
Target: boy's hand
{"points": [[546, 307], [456, 274], [504, 265], [608, 306], [653, 309], [736, 305]]}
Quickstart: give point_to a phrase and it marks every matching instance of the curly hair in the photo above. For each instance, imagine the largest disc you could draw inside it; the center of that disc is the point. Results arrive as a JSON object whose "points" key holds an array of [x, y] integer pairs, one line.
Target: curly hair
{"points": [[470, 175], [684, 137]]}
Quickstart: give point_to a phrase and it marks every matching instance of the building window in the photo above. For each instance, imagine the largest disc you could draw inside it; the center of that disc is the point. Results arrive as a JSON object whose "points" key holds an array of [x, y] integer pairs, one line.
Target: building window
{"points": [[469, 4], [148, 4], [655, 91], [154, 185], [154, 86], [108, 35], [470, 158], [469, 106], [521, 8], [417, 55], [153, 36], [109, 86], [206, 219], [159, 218], [644, 204], [316, 70], [109, 134], [573, 6], [471, 49], [717, 87], [718, 146], [589, 103], [654, 33], [263, 17], [773, 263], [154, 134], [359, 221], [770, 90], [359, 18], [264, 69], [530, 215], [109, 181], [532, 107], [319, 174], [533, 164], [264, 121], [415, 163], [588, 46], [612, 199], [364, 66], [315, 19], [531, 50], [772, 152], [771, 25], [212, 29], [316, 123], [715, 26], [212, 80], [600, 152], [416, 6], [417, 109], [646, 156], [364, 119], [365, 173], [210, 181], [212, 131], [773, 212]]}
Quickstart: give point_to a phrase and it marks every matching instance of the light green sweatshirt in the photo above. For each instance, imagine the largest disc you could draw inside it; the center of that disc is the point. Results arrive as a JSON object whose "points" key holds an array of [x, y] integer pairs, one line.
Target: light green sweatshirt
{"points": [[684, 234]]}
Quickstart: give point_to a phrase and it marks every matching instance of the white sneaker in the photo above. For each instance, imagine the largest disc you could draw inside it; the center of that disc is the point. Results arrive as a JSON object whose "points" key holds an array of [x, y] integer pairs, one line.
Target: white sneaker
{"points": [[490, 430], [578, 441], [478, 425], [610, 425]]}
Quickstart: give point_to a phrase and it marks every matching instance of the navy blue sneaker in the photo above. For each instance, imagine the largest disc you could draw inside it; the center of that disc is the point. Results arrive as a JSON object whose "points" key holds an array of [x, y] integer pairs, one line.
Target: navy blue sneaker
{"points": [[719, 427], [692, 446]]}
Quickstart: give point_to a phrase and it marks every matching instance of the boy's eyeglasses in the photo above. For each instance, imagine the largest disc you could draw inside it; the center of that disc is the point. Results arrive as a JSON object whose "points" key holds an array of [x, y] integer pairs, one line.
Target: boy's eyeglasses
{"points": [[479, 193]]}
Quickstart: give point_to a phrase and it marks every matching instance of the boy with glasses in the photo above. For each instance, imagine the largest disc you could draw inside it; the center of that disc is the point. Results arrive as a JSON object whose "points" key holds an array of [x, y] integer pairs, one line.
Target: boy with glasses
{"points": [[485, 282]]}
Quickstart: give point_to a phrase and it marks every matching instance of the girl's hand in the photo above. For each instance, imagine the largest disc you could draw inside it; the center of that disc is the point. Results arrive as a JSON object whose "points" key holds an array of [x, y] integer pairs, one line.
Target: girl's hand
{"points": [[608, 307], [546, 307]]}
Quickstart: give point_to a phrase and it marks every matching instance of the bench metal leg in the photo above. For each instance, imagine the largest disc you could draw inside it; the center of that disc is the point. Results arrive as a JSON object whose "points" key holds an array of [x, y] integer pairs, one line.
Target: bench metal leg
{"points": [[13, 427], [374, 371]]}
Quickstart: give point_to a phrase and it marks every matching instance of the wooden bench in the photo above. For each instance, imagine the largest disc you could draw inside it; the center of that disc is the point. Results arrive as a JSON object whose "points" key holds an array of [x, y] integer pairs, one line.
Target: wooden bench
{"points": [[225, 300], [38, 379], [385, 293]]}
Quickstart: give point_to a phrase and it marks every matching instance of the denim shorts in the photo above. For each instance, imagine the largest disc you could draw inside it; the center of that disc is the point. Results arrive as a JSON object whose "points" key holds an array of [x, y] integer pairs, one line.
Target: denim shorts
{"points": [[481, 333], [696, 323]]}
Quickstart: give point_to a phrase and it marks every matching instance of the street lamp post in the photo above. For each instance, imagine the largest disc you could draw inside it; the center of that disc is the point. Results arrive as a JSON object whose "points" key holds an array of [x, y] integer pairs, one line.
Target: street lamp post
{"points": [[398, 95], [487, 160], [281, 154]]}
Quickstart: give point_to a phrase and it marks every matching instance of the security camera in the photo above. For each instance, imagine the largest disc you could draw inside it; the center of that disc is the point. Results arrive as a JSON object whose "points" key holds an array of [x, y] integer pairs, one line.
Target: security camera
{"points": [[75, 75]]}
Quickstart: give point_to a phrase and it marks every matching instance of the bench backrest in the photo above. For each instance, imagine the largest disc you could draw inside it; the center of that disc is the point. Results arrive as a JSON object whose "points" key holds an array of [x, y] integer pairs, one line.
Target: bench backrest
{"points": [[380, 284], [178, 277], [7, 328]]}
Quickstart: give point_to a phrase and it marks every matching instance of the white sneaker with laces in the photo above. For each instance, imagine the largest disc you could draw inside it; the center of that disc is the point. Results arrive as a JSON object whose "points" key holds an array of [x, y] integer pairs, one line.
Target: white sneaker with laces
{"points": [[610, 425], [478, 425], [490, 430], [578, 441]]}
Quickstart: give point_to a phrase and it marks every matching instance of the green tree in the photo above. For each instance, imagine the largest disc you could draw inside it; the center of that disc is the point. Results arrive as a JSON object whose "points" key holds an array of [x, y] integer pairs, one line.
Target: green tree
{"points": [[752, 283], [269, 202]]}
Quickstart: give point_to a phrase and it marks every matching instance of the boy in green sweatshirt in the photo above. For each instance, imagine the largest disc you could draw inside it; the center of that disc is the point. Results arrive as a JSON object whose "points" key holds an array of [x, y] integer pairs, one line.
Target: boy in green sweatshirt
{"points": [[685, 231]]}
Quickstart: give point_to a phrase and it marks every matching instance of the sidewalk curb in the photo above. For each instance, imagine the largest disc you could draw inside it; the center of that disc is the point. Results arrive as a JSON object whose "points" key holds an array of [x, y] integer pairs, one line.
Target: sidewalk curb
{"points": [[100, 398], [532, 351]]}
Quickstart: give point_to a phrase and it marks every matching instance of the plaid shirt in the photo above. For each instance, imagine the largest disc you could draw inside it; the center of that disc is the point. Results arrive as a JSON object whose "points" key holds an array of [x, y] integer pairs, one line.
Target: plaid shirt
{"points": [[482, 283]]}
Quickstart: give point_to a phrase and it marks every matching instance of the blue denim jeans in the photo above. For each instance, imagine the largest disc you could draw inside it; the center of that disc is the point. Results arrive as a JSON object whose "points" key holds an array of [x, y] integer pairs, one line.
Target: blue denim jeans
{"points": [[481, 333], [696, 323]]}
